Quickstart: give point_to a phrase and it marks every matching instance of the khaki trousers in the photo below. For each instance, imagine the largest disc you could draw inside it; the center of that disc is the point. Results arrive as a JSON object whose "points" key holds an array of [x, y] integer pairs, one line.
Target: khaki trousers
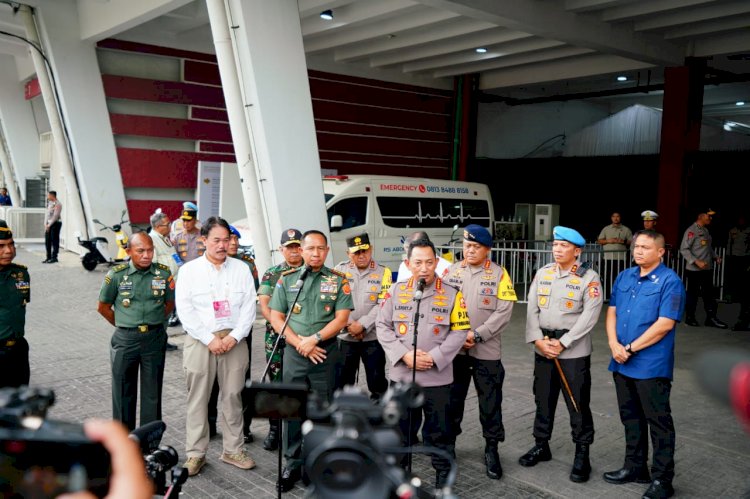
{"points": [[201, 367]]}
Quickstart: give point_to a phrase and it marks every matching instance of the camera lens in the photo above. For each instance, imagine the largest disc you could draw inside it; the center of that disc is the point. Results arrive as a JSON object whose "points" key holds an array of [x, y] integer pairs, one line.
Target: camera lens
{"points": [[163, 458]]}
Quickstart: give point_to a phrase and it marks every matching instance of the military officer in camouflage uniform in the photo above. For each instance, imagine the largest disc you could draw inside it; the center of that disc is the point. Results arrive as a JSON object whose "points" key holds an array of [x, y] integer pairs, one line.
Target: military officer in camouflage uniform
{"points": [[136, 298], [699, 254], [370, 282], [321, 311], [442, 331], [15, 293], [565, 299], [489, 294], [290, 249]]}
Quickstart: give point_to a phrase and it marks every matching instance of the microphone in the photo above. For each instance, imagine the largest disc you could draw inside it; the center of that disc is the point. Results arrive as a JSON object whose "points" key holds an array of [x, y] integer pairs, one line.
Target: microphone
{"points": [[303, 276], [149, 435], [725, 373], [420, 289]]}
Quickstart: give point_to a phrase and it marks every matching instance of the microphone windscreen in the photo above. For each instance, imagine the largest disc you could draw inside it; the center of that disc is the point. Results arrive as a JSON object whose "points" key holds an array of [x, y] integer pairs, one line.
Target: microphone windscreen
{"points": [[713, 370]]}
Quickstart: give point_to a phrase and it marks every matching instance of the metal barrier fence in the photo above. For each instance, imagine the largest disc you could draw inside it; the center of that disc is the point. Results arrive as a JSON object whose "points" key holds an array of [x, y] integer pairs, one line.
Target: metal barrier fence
{"points": [[522, 259], [27, 224]]}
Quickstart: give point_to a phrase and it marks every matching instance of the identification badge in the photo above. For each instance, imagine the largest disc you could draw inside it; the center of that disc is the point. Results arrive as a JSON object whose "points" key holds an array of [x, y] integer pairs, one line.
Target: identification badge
{"points": [[126, 286], [222, 309]]}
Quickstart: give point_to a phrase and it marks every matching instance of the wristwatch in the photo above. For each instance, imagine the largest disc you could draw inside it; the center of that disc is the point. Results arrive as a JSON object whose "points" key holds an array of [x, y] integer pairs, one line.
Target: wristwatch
{"points": [[318, 337], [628, 348], [478, 337]]}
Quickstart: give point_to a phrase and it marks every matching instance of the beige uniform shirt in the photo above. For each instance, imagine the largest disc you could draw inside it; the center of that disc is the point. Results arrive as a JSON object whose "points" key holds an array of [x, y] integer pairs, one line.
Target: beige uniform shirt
{"points": [[560, 299], [489, 296], [369, 287], [615, 251], [164, 252]]}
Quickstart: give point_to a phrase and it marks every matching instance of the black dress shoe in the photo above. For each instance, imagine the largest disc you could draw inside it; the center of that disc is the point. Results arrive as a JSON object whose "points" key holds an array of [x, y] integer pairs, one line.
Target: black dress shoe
{"points": [[714, 322], [492, 462], [690, 321], [248, 437], [46, 260], [52, 260], [627, 475], [659, 489], [289, 476], [271, 442], [540, 452]]}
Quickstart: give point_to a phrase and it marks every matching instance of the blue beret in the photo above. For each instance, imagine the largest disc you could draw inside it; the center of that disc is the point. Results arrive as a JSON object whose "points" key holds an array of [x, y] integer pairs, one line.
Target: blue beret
{"points": [[561, 233], [478, 234], [233, 231]]}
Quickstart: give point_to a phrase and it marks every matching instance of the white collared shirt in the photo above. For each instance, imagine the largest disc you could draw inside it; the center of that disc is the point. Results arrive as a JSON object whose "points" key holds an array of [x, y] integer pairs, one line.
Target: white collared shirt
{"points": [[443, 266], [201, 285]]}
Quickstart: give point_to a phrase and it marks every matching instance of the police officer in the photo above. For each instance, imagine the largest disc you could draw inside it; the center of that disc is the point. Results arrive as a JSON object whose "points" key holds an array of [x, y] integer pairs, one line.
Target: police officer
{"points": [[700, 256], [320, 312], [442, 329], [15, 293], [369, 281], [136, 298], [188, 241], [290, 249], [564, 304], [489, 294], [650, 218]]}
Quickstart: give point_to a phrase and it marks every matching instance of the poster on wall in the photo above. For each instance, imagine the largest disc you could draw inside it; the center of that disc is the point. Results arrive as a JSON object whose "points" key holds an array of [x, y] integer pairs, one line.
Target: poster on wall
{"points": [[208, 191]]}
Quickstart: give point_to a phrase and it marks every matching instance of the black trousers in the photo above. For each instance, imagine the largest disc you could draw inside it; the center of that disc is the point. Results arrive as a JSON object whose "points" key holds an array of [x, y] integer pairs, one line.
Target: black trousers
{"points": [[488, 376], [700, 283], [644, 406], [373, 357], [547, 386], [130, 352], [52, 240], [438, 424], [14, 364]]}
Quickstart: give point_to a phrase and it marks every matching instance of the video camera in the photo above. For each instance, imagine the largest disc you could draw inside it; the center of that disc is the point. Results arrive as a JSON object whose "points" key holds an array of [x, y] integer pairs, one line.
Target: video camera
{"points": [[44, 458], [352, 446]]}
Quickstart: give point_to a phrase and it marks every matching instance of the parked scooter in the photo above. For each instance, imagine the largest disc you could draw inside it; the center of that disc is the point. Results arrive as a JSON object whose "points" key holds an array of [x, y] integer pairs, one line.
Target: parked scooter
{"points": [[97, 246]]}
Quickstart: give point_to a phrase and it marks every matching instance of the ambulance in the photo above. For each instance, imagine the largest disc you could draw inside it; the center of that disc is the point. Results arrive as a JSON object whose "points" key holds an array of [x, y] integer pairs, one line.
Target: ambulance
{"points": [[389, 209]]}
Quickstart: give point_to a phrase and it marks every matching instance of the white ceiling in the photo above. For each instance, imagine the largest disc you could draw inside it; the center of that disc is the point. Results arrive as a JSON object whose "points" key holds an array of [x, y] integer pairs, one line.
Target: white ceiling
{"points": [[534, 48]]}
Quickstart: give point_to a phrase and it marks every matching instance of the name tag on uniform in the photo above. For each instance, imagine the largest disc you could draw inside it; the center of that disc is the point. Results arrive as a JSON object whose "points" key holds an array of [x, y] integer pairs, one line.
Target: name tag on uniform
{"points": [[222, 309], [126, 286], [158, 284]]}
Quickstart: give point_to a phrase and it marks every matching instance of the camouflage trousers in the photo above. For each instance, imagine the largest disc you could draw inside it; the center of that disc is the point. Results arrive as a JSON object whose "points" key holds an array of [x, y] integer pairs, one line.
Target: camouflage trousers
{"points": [[274, 373]]}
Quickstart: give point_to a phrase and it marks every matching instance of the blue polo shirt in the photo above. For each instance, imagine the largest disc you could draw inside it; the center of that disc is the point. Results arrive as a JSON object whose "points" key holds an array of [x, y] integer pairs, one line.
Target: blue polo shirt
{"points": [[640, 301]]}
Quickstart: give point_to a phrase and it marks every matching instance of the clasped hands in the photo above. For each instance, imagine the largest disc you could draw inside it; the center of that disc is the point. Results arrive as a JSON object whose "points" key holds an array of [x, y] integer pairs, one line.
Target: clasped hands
{"points": [[619, 353], [424, 360], [307, 347], [550, 348], [220, 346]]}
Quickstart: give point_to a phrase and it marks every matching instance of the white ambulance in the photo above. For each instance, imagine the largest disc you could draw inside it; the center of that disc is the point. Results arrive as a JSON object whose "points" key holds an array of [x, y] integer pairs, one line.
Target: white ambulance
{"points": [[389, 209]]}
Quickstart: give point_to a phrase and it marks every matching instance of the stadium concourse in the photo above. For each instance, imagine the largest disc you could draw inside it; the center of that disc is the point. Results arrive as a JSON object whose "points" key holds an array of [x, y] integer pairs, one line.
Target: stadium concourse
{"points": [[70, 353]]}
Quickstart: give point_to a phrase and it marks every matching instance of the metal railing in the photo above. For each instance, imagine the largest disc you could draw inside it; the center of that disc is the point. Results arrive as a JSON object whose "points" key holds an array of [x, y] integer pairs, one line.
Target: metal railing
{"points": [[27, 224], [522, 259]]}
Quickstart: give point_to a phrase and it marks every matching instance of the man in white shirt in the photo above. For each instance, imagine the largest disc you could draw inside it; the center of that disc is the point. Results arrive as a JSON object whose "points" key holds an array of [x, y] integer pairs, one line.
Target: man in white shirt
{"points": [[443, 265], [216, 299]]}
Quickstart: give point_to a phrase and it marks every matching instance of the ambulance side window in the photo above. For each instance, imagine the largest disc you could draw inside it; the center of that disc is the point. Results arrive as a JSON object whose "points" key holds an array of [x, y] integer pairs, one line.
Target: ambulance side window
{"points": [[352, 210]]}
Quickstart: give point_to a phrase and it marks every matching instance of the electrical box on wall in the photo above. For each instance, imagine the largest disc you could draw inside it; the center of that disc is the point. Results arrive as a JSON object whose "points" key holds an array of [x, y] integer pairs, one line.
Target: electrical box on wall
{"points": [[546, 216]]}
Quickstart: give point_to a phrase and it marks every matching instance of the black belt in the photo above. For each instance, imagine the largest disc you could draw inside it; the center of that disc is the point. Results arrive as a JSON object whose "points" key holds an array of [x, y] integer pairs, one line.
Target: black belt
{"points": [[143, 328], [554, 333]]}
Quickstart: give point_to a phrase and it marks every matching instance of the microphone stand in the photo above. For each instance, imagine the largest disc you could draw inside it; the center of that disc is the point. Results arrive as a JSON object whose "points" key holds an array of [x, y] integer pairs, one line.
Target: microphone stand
{"points": [[414, 369], [278, 346]]}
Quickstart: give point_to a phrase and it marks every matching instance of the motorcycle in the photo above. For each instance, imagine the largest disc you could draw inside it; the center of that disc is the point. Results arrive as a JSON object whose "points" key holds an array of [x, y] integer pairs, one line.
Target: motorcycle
{"points": [[97, 246]]}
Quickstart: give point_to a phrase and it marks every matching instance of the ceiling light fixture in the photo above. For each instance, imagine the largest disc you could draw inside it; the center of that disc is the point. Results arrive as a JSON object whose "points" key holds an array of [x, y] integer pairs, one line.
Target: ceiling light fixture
{"points": [[622, 78], [739, 103], [480, 50], [327, 15]]}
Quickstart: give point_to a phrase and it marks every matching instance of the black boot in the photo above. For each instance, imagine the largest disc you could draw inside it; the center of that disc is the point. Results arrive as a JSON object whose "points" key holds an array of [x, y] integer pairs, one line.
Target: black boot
{"points": [[581, 464], [271, 441], [540, 452], [492, 460], [690, 321], [441, 476]]}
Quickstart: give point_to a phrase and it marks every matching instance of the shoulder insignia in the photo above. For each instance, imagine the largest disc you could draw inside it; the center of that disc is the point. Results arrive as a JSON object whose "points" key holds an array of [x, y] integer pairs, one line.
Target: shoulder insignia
{"points": [[19, 266], [582, 269], [161, 266], [338, 273], [341, 264], [291, 271], [121, 267]]}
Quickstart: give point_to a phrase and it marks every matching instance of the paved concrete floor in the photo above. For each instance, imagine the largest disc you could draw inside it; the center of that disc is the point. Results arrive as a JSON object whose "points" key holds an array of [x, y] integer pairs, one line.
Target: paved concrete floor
{"points": [[69, 353]]}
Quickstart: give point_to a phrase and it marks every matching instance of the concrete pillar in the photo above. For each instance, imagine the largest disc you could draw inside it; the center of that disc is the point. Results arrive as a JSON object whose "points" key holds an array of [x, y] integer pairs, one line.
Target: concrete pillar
{"points": [[19, 130], [84, 107], [276, 93], [680, 137]]}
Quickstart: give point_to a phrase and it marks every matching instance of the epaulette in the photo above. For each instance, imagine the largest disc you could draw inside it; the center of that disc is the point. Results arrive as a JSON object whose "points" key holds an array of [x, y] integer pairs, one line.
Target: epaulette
{"points": [[121, 267], [19, 265], [248, 258], [291, 271], [345, 262], [161, 266], [582, 269], [338, 273]]}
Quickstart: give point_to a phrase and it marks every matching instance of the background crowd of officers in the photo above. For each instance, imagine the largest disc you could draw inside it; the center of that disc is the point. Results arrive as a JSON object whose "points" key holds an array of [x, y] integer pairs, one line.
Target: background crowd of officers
{"points": [[339, 319]]}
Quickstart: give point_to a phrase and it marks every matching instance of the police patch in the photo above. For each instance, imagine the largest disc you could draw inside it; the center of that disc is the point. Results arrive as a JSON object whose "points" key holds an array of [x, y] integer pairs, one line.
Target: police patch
{"points": [[402, 328]]}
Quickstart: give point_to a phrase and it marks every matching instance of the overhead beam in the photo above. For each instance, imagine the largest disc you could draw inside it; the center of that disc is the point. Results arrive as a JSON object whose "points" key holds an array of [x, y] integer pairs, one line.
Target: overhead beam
{"points": [[521, 46], [438, 31], [696, 15], [449, 46], [99, 20], [315, 7], [513, 60], [725, 44], [378, 31], [550, 20], [709, 27], [565, 69], [649, 8], [353, 14], [591, 5]]}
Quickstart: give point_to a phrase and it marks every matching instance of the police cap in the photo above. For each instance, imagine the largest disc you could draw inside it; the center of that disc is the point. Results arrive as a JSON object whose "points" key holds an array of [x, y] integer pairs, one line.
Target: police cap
{"points": [[560, 233], [291, 236], [649, 215], [477, 234], [358, 243]]}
